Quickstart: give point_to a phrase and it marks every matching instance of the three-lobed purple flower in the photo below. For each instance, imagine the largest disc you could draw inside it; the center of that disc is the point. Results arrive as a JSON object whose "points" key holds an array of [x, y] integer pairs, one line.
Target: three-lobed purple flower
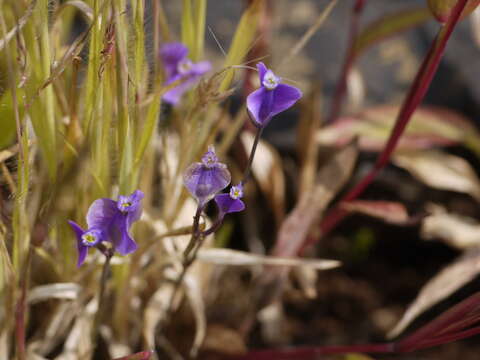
{"points": [[179, 67], [206, 178], [272, 98], [109, 220]]}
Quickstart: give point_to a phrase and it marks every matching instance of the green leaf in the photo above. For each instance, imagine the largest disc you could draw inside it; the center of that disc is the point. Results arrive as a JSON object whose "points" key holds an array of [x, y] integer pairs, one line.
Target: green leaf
{"points": [[244, 35], [188, 27], [7, 122], [442, 9]]}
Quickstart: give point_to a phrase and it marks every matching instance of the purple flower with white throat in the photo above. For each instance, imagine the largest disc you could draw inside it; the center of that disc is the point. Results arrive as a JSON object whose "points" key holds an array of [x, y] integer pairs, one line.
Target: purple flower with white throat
{"points": [[206, 178], [271, 98], [231, 202], [109, 220], [179, 67]]}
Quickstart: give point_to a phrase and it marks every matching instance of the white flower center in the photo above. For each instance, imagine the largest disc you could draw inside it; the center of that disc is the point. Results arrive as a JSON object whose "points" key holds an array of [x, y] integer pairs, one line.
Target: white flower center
{"points": [[236, 192], [270, 81], [89, 239], [184, 66]]}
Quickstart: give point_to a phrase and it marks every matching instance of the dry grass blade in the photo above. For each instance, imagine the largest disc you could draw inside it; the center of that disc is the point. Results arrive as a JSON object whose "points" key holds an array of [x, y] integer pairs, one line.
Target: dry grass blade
{"points": [[441, 171], [79, 341], [193, 292], [449, 280], [66, 291], [331, 178], [81, 6], [310, 32], [58, 326], [240, 258], [156, 310]]}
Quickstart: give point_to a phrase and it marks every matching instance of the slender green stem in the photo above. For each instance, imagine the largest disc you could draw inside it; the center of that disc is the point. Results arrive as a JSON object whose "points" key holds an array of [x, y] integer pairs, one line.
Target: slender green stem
{"points": [[101, 295]]}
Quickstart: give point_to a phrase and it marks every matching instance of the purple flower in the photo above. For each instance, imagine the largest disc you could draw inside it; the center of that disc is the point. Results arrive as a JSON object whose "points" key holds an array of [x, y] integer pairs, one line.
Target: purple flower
{"points": [[109, 220], [230, 203], [205, 179], [272, 98], [179, 67]]}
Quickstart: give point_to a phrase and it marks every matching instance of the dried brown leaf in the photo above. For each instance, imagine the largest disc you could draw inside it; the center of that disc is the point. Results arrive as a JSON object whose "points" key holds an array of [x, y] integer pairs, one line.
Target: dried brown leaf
{"points": [[388, 211], [440, 170], [223, 340], [267, 169], [309, 208], [447, 281], [429, 127], [455, 230]]}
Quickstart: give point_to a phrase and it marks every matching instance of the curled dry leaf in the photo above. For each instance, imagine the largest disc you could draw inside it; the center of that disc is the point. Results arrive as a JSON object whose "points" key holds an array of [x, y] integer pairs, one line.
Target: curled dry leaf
{"points": [[455, 230], [429, 127], [267, 169], [240, 258], [388, 211], [440, 170], [66, 291], [447, 281]]}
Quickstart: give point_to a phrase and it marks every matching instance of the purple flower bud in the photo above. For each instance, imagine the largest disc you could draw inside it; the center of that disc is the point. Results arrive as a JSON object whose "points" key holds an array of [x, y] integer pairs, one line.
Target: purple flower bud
{"points": [[205, 179], [179, 67], [109, 220], [230, 203], [272, 98]]}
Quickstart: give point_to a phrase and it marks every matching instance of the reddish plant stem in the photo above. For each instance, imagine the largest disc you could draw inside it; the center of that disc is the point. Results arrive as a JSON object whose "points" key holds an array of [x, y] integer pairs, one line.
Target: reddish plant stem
{"points": [[440, 340], [314, 352], [341, 86], [21, 307], [415, 95]]}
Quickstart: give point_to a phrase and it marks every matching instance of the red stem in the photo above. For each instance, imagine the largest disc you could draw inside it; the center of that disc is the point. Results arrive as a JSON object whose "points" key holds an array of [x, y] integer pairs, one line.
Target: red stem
{"points": [[341, 87], [314, 352], [415, 95]]}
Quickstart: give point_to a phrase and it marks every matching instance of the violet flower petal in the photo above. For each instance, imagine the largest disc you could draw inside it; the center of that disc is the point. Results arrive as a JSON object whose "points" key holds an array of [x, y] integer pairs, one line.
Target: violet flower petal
{"points": [[101, 213], [174, 95], [131, 204], [285, 96], [228, 205], [254, 104], [122, 240], [82, 249], [262, 70], [204, 182], [172, 54]]}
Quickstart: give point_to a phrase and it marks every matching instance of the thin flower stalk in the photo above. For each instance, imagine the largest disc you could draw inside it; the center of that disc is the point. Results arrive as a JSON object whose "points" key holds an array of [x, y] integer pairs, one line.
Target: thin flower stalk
{"points": [[412, 101]]}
